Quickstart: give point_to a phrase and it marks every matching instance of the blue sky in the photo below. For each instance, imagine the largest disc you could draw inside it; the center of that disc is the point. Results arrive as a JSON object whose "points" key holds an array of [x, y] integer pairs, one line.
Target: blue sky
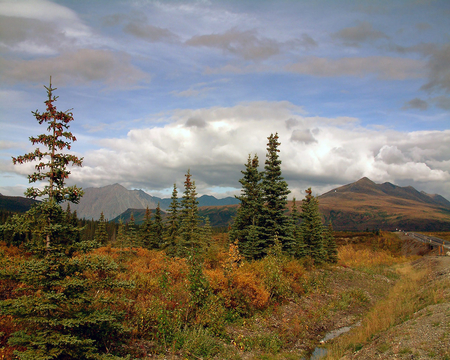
{"points": [[158, 87]]}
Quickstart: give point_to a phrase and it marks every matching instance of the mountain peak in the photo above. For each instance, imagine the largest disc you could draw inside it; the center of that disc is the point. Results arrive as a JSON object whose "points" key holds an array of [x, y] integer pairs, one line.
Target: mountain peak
{"points": [[365, 180]]}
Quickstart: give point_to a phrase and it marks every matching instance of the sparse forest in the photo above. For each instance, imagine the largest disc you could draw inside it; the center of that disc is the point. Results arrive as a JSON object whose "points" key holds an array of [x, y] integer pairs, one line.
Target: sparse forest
{"points": [[79, 289]]}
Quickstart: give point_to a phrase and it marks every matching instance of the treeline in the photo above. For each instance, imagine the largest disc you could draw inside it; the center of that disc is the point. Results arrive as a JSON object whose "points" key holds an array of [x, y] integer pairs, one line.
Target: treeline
{"points": [[263, 219]]}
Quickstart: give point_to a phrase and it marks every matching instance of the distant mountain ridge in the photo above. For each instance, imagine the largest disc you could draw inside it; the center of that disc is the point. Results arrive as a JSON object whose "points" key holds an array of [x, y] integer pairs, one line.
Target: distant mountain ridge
{"points": [[357, 206], [115, 199], [368, 187], [16, 203], [366, 205]]}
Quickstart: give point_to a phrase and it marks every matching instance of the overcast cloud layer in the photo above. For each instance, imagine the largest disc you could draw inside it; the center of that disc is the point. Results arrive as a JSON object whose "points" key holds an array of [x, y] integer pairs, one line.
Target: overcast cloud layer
{"points": [[353, 89]]}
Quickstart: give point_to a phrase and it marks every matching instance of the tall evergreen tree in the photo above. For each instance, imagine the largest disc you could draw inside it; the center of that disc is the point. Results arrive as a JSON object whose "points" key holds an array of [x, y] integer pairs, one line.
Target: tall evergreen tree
{"points": [[52, 163], [300, 247], [206, 232], [101, 235], [173, 223], [146, 230], [60, 316], [275, 221], [122, 237], [189, 219], [132, 235], [330, 244], [72, 220], [158, 228], [246, 225], [312, 228]]}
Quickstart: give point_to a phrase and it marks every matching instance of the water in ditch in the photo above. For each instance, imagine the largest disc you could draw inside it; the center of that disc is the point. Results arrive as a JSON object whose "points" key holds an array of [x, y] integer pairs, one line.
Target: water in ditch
{"points": [[320, 352]]}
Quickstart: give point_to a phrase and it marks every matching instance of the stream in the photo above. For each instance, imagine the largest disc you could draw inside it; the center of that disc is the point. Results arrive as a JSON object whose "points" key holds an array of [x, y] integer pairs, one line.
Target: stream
{"points": [[320, 352]]}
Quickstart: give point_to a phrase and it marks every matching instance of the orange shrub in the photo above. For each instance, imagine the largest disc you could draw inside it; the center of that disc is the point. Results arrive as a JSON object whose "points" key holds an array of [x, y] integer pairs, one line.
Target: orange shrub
{"points": [[217, 280], [243, 288], [250, 289], [295, 273]]}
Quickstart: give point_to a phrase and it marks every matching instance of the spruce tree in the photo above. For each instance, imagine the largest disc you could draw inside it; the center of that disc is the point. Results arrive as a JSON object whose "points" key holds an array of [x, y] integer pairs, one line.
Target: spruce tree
{"points": [[275, 221], [146, 230], [55, 303], [158, 229], [122, 237], [172, 224], [207, 232], [330, 244], [312, 228], [189, 219], [101, 235], [246, 225], [300, 247], [132, 235]]}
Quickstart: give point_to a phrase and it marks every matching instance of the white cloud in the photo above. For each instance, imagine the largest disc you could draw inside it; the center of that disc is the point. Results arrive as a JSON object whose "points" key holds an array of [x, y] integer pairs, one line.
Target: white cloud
{"points": [[37, 9], [217, 144], [390, 155]]}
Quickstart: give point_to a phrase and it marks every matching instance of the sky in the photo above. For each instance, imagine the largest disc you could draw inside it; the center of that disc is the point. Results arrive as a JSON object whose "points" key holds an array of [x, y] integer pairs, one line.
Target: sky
{"points": [[353, 88]]}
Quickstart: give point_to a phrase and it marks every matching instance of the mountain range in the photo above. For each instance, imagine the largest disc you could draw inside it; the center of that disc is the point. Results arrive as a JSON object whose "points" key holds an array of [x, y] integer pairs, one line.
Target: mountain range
{"points": [[357, 206], [113, 200], [366, 205]]}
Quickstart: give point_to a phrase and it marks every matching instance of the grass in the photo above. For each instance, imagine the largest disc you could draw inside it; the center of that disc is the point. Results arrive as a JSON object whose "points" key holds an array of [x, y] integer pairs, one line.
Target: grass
{"points": [[411, 293]]}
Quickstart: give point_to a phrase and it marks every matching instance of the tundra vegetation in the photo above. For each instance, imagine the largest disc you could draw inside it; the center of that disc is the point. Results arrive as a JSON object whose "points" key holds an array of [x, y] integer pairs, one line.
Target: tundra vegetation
{"points": [[268, 289]]}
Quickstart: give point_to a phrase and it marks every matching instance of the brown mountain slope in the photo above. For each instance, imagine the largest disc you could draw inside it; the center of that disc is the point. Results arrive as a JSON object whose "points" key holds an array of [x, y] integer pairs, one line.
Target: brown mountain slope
{"points": [[366, 205]]}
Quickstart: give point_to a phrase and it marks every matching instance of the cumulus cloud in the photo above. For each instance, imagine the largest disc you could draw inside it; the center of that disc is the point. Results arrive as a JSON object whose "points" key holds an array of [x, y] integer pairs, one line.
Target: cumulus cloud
{"points": [[76, 68], [246, 44], [384, 67], [328, 155], [291, 122], [390, 154], [303, 136], [415, 103], [197, 122], [360, 33]]}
